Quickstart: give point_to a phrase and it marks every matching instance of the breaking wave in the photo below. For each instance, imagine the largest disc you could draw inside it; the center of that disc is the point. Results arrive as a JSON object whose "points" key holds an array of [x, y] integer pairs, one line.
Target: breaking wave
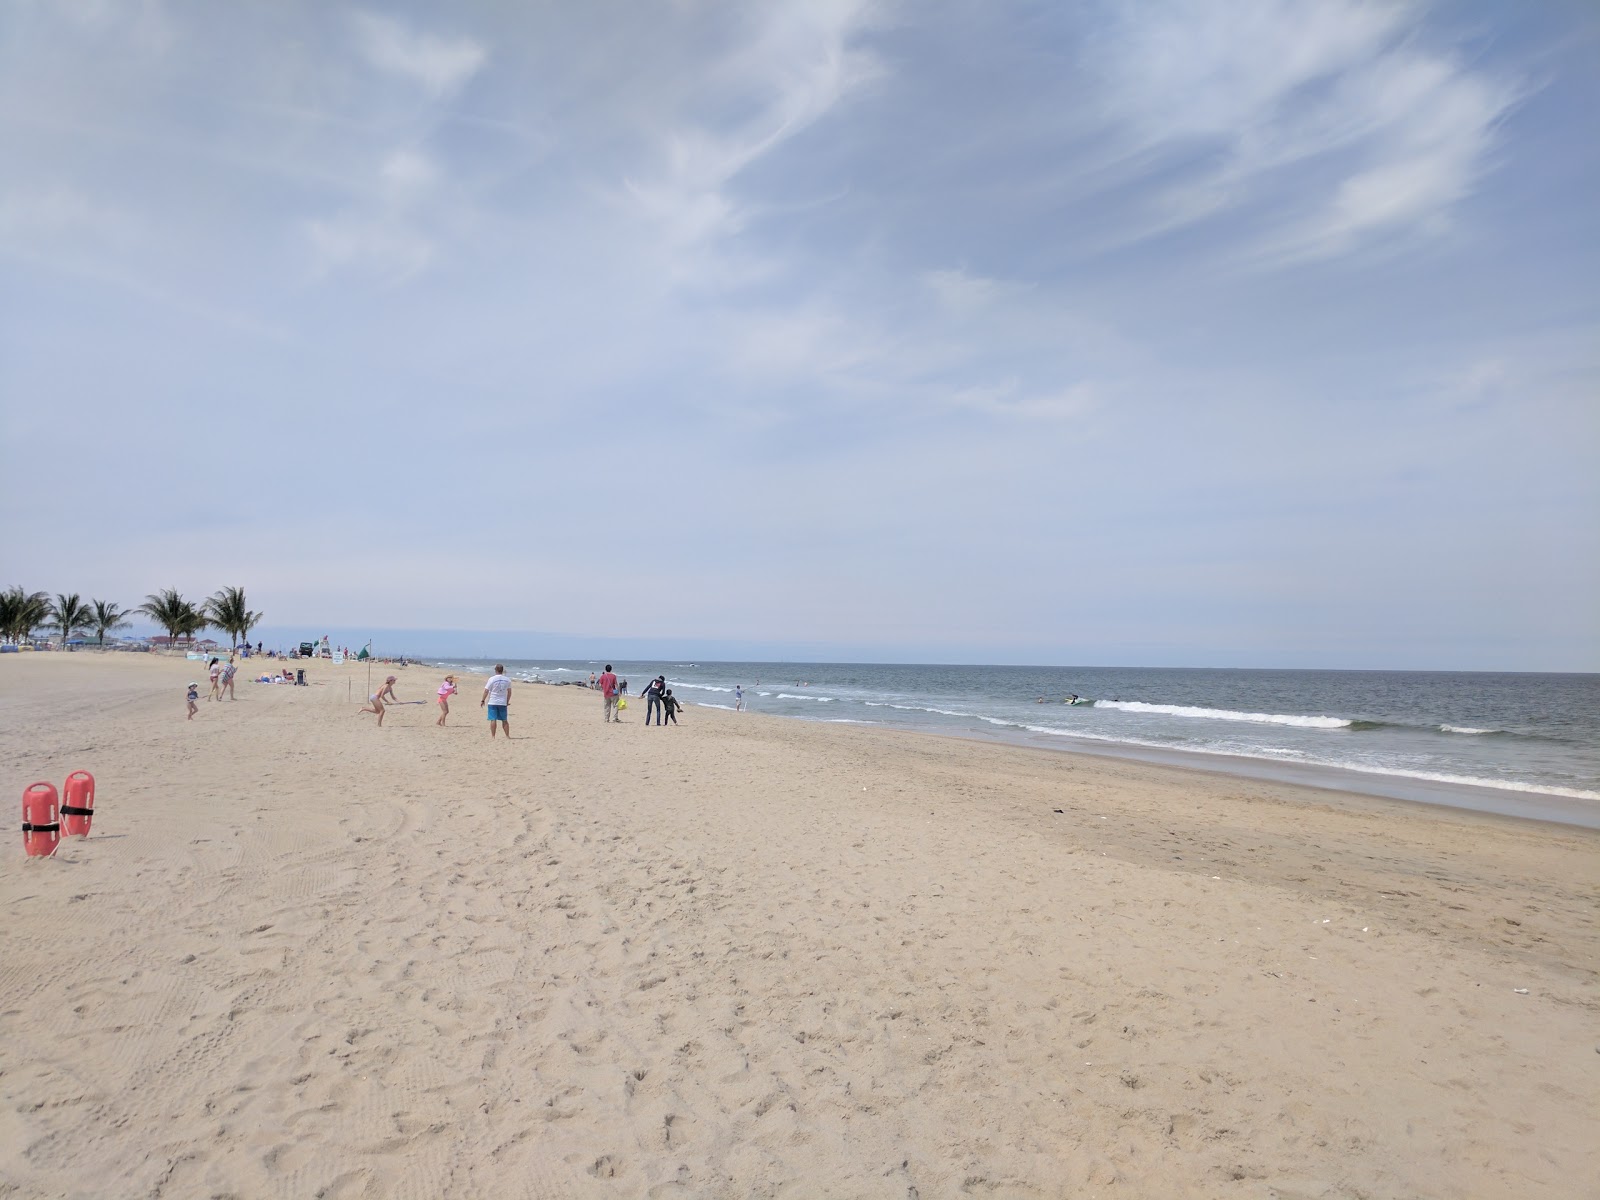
{"points": [[1224, 714]]}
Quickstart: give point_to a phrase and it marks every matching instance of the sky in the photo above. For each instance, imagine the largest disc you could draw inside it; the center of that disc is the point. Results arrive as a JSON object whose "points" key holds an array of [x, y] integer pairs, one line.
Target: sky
{"points": [[1187, 333]]}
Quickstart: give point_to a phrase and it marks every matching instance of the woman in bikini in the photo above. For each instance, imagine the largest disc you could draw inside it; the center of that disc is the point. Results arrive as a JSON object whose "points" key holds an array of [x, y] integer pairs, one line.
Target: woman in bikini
{"points": [[386, 692]]}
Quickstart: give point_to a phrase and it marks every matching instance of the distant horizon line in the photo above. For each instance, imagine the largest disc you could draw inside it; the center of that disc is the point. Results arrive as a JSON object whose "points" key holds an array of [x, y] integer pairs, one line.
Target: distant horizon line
{"points": [[571, 648]]}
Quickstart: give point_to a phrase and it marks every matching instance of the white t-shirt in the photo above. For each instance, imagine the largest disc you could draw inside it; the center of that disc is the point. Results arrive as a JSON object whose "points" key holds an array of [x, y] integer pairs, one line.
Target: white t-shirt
{"points": [[499, 689]]}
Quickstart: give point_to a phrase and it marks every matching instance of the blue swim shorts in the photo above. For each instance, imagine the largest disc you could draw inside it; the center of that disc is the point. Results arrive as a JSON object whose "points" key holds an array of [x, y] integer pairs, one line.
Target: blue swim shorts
{"points": [[497, 712]]}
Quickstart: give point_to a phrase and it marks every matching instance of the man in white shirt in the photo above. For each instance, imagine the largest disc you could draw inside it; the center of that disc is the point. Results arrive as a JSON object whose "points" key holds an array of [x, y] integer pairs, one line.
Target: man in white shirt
{"points": [[497, 696]]}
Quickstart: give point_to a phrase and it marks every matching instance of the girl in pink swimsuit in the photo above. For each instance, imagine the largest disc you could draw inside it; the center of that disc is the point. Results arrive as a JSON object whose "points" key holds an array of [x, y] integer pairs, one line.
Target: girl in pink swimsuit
{"points": [[446, 690]]}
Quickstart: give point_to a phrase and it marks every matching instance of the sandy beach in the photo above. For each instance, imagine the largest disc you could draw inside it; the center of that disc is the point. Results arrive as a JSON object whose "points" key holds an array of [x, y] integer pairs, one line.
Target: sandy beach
{"points": [[302, 956]]}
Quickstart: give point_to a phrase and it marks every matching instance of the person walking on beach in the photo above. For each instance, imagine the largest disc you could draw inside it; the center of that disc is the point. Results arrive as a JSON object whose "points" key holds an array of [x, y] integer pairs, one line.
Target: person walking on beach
{"points": [[446, 690], [738, 698], [215, 672], [608, 693], [497, 698], [670, 706], [653, 691], [228, 672], [194, 699]]}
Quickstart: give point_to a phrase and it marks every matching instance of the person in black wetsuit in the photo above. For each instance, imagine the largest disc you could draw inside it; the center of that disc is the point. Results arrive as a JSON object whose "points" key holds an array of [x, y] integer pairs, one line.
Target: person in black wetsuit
{"points": [[670, 706], [653, 692]]}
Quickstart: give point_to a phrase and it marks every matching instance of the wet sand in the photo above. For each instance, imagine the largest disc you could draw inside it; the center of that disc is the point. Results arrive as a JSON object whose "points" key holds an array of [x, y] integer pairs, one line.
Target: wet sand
{"points": [[755, 957]]}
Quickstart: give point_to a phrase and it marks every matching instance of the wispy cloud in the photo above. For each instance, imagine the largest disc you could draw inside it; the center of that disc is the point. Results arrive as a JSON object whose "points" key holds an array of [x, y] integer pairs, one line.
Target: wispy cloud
{"points": [[384, 246], [1330, 122], [791, 70], [961, 291], [1010, 399], [61, 216], [887, 268], [439, 63]]}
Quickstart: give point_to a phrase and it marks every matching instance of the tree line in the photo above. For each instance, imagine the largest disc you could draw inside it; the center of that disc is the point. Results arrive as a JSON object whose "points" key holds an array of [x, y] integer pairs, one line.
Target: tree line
{"points": [[22, 612]]}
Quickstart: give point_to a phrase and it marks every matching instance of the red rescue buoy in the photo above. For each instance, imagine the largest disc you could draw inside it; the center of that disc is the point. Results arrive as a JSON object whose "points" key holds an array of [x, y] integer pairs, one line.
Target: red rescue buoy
{"points": [[77, 804], [41, 829]]}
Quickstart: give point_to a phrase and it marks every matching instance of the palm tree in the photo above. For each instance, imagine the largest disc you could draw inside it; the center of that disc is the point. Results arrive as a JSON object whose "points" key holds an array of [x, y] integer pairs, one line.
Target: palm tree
{"points": [[193, 621], [229, 612], [107, 616], [10, 601], [172, 612], [68, 614], [22, 612], [250, 622]]}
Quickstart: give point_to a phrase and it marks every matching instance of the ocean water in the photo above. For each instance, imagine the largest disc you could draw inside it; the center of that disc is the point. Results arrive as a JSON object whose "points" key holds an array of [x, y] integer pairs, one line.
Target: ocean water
{"points": [[1523, 744]]}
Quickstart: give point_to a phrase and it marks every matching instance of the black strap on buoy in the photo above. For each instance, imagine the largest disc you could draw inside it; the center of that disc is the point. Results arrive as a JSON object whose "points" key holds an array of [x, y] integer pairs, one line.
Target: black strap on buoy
{"points": [[69, 810], [53, 827]]}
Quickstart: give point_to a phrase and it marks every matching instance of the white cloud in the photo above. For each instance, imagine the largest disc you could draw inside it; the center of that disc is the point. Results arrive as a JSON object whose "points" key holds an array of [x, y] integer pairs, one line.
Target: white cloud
{"points": [[62, 215], [1009, 398], [1188, 68], [1432, 128], [384, 246], [439, 64], [1282, 102], [791, 72], [808, 342], [387, 233], [408, 172], [960, 291]]}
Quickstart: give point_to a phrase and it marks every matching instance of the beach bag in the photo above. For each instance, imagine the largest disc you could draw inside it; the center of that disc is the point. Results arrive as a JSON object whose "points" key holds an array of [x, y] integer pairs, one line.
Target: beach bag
{"points": [[622, 704]]}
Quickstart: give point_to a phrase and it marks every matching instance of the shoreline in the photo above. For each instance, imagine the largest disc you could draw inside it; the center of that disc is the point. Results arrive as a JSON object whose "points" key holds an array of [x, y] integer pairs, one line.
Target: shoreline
{"points": [[1549, 808], [303, 954], [1525, 802]]}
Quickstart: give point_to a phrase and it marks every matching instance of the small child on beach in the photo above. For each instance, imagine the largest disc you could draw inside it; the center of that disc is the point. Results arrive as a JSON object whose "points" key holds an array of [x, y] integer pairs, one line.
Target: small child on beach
{"points": [[670, 705], [446, 690], [194, 699]]}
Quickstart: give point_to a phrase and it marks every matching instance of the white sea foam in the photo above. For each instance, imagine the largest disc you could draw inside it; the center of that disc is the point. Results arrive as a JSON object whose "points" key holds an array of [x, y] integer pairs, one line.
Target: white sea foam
{"points": [[708, 704], [1462, 729], [1505, 785], [704, 687], [1223, 714], [818, 699], [943, 712]]}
